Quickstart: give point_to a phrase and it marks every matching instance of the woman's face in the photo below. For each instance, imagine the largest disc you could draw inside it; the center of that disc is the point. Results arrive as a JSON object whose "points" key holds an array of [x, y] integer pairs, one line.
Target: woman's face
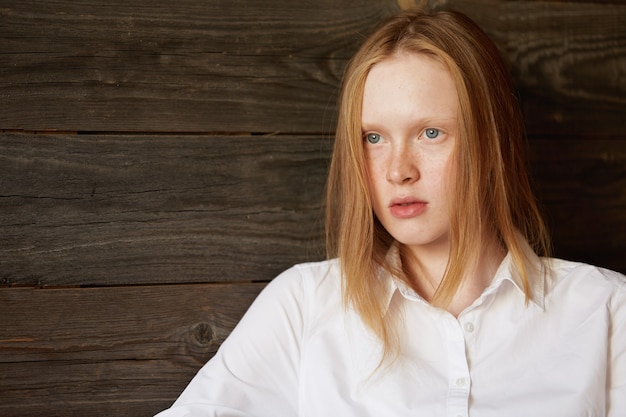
{"points": [[409, 126]]}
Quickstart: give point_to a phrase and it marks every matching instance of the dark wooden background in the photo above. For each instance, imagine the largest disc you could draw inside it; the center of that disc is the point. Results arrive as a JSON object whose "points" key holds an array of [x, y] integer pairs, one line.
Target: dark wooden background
{"points": [[161, 160]]}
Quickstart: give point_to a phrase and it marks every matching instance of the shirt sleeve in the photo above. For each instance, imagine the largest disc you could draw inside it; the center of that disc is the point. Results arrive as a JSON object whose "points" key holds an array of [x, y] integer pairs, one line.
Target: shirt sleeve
{"points": [[255, 371], [617, 353]]}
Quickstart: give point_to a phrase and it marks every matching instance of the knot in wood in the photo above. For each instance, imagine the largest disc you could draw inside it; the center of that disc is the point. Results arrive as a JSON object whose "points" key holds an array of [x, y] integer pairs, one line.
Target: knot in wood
{"points": [[202, 334]]}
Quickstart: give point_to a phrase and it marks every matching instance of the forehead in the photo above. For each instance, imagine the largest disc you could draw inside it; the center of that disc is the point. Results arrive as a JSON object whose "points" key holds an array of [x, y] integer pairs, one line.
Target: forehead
{"points": [[409, 85]]}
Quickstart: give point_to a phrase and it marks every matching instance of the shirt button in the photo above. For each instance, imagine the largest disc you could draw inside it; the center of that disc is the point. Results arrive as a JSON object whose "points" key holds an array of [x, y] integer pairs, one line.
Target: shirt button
{"points": [[469, 327], [461, 382]]}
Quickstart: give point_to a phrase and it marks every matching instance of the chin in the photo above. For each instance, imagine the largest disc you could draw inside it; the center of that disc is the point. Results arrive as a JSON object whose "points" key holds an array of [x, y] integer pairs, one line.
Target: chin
{"points": [[424, 241]]}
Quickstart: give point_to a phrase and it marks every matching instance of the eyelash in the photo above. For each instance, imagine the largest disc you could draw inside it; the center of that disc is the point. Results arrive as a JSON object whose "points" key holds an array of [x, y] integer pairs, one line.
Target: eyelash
{"points": [[377, 137]]}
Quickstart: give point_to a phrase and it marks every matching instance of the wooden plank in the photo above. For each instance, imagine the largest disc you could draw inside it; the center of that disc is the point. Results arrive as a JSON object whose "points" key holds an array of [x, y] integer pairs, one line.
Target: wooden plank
{"points": [[567, 57], [114, 210], [276, 65], [72, 389], [183, 66], [582, 186], [141, 209], [110, 351]]}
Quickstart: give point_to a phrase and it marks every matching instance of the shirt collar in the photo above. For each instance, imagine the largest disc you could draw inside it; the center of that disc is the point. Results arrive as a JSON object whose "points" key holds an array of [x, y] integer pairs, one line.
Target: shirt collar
{"points": [[507, 271], [535, 271]]}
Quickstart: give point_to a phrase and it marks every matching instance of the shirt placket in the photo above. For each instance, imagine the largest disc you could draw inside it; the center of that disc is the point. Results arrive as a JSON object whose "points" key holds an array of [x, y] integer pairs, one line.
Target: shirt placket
{"points": [[459, 382]]}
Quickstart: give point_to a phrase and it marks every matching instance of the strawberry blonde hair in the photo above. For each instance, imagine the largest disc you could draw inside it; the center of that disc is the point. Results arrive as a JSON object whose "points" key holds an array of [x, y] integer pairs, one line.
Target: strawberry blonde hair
{"points": [[492, 190]]}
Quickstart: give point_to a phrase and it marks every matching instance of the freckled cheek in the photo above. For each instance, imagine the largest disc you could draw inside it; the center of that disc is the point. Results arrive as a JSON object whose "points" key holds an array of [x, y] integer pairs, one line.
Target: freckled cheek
{"points": [[446, 186], [439, 175], [449, 175], [375, 168], [375, 179]]}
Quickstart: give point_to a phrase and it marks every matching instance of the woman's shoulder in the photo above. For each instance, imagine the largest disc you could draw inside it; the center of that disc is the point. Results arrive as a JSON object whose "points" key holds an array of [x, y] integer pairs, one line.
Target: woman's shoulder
{"points": [[313, 276], [584, 278], [320, 270], [561, 268], [311, 279]]}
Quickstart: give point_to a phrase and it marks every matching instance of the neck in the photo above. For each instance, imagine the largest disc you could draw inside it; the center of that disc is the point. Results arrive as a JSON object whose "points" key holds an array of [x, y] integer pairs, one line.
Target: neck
{"points": [[425, 271]]}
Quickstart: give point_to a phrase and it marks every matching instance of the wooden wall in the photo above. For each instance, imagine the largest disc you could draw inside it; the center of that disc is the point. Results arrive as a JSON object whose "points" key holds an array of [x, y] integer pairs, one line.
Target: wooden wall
{"points": [[161, 160]]}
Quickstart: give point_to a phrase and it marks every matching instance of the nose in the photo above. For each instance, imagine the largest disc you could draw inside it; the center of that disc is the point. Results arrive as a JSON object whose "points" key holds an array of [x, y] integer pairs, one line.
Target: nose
{"points": [[402, 166]]}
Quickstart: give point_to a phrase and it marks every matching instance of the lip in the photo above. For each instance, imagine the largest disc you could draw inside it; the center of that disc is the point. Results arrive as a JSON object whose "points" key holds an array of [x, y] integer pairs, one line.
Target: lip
{"points": [[407, 207]]}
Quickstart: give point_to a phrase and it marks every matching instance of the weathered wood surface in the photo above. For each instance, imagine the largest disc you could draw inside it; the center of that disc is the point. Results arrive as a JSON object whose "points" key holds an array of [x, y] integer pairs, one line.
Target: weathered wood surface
{"points": [[568, 59], [142, 209], [189, 65], [109, 351], [275, 65], [582, 186], [176, 190], [114, 210]]}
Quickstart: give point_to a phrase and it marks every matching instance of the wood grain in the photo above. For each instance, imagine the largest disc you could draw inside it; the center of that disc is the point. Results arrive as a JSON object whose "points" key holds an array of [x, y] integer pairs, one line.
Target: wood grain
{"points": [[582, 186], [110, 351], [568, 59], [114, 210], [119, 209], [190, 161], [272, 66], [184, 66]]}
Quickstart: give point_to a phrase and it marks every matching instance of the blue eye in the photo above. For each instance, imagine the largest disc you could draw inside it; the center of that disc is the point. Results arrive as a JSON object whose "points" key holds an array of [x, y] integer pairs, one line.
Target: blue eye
{"points": [[373, 138], [431, 133]]}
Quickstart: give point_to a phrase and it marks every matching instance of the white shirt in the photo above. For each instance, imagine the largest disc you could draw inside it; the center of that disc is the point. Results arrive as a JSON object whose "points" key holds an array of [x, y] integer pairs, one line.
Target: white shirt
{"points": [[299, 352]]}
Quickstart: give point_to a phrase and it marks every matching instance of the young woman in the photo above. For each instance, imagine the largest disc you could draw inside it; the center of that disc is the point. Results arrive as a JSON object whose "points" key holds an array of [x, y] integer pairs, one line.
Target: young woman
{"points": [[435, 300]]}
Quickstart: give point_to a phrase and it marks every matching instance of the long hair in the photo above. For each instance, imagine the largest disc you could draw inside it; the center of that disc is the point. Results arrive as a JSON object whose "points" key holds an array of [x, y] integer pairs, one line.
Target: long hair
{"points": [[492, 190]]}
